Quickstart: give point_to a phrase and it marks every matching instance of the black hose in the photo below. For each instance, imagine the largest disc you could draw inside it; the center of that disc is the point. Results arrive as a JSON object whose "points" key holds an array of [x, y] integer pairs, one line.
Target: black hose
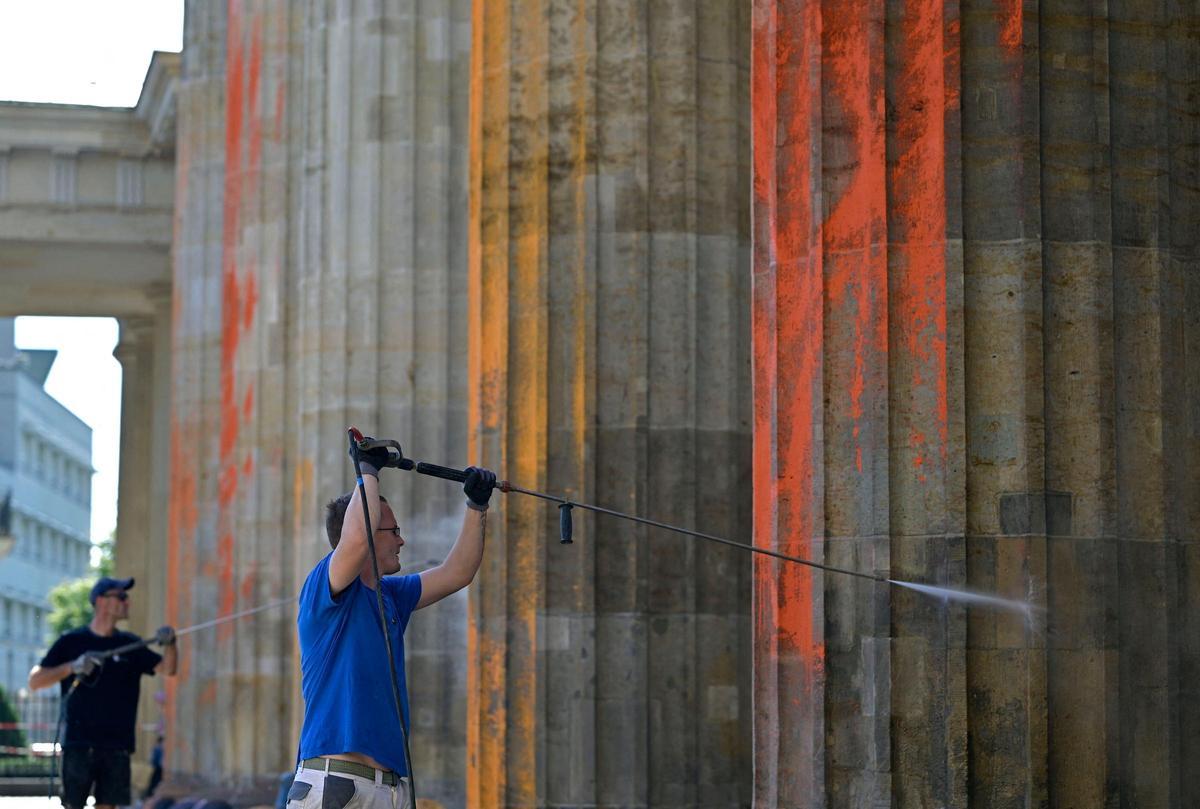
{"points": [[387, 639]]}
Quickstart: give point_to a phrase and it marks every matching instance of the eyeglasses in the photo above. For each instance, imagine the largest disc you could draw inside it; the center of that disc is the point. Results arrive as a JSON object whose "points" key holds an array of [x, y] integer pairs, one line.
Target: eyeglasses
{"points": [[395, 529], [121, 596]]}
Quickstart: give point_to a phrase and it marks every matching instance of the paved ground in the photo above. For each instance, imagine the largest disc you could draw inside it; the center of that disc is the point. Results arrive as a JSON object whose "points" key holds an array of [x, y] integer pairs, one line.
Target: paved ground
{"points": [[32, 803]]}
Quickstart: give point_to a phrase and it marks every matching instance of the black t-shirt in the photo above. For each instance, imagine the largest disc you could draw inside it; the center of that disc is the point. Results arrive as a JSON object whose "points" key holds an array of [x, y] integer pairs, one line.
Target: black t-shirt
{"points": [[103, 710]]}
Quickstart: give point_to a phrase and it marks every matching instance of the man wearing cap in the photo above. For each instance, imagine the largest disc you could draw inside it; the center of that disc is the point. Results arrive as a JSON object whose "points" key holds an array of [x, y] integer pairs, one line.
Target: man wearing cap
{"points": [[100, 714]]}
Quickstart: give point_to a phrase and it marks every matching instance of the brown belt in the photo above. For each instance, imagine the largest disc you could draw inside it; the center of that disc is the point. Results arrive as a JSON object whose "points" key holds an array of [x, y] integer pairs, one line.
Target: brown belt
{"points": [[348, 768]]}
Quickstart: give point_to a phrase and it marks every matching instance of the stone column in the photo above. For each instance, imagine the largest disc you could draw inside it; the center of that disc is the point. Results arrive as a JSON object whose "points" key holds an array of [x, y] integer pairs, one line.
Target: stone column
{"points": [[144, 352], [609, 351], [135, 548], [858, 404], [1008, 509], [1080, 465], [376, 332], [320, 265], [194, 743], [1034, 400]]}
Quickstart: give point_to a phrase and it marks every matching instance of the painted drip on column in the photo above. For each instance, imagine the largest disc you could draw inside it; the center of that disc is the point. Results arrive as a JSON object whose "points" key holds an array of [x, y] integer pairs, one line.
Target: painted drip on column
{"points": [[917, 212], [887, 207], [788, 486], [243, 130], [487, 307], [855, 345]]}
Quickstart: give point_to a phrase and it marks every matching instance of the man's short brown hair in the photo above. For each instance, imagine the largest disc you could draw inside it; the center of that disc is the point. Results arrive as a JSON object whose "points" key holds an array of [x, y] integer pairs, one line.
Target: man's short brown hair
{"points": [[335, 514]]}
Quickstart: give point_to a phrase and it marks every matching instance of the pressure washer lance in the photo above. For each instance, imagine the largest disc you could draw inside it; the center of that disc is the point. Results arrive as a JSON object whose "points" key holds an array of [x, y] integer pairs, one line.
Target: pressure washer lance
{"points": [[565, 527], [945, 594], [565, 506], [109, 654]]}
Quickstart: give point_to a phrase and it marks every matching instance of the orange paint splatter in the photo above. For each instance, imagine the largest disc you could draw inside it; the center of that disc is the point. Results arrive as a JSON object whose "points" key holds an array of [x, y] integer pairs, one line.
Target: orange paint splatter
{"points": [[226, 591], [855, 231], [787, 322], [917, 180], [246, 591], [1012, 24]]}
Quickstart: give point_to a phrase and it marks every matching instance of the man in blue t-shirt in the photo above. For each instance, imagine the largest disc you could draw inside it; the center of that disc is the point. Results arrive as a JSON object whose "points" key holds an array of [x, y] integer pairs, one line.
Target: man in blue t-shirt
{"points": [[351, 742]]}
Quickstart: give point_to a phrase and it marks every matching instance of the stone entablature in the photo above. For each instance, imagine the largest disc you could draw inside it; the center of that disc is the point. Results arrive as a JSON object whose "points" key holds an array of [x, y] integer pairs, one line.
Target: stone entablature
{"points": [[86, 201]]}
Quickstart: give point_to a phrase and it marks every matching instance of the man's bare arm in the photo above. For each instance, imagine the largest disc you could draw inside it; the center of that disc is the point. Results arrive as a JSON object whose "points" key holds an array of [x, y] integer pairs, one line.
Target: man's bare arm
{"points": [[460, 566], [40, 677], [170, 661], [352, 550]]}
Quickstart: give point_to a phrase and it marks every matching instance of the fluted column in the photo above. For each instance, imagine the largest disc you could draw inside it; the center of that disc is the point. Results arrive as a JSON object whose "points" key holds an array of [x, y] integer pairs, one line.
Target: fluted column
{"points": [[609, 361], [1008, 509], [377, 301], [320, 269], [858, 407], [191, 540], [1034, 176], [228, 706]]}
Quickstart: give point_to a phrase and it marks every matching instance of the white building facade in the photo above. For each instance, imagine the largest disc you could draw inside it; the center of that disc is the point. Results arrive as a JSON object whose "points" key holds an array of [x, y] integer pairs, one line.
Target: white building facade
{"points": [[45, 466]]}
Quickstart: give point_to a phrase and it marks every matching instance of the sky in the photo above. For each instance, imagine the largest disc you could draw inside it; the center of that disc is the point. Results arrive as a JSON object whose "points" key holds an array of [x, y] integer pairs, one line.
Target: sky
{"points": [[84, 52], [86, 379]]}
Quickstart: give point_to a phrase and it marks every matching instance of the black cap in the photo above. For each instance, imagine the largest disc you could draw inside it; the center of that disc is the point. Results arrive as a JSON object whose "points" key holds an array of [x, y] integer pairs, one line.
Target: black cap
{"points": [[105, 584]]}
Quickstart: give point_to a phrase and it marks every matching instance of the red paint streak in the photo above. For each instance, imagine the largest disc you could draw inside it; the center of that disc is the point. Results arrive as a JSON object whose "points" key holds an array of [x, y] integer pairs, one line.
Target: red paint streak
{"points": [[855, 230], [764, 372], [917, 179], [231, 309], [953, 60], [227, 485], [787, 316], [239, 282], [229, 344], [800, 306], [246, 591], [1012, 24], [208, 695], [227, 594], [181, 528]]}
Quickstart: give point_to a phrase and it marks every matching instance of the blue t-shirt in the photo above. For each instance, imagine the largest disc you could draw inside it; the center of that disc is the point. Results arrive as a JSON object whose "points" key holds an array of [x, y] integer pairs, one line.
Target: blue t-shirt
{"points": [[344, 677]]}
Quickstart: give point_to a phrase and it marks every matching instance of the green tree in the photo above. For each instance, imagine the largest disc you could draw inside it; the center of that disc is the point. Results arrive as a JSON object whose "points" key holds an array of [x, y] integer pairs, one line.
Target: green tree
{"points": [[69, 605], [10, 737], [106, 565]]}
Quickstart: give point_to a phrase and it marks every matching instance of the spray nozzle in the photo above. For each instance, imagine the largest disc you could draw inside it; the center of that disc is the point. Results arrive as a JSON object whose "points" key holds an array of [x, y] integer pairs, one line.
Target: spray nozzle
{"points": [[396, 457]]}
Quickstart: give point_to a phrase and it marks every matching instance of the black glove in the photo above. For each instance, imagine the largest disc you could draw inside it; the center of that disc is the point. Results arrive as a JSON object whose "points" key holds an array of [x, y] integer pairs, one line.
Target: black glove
{"points": [[85, 664], [370, 461], [165, 636], [478, 487]]}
